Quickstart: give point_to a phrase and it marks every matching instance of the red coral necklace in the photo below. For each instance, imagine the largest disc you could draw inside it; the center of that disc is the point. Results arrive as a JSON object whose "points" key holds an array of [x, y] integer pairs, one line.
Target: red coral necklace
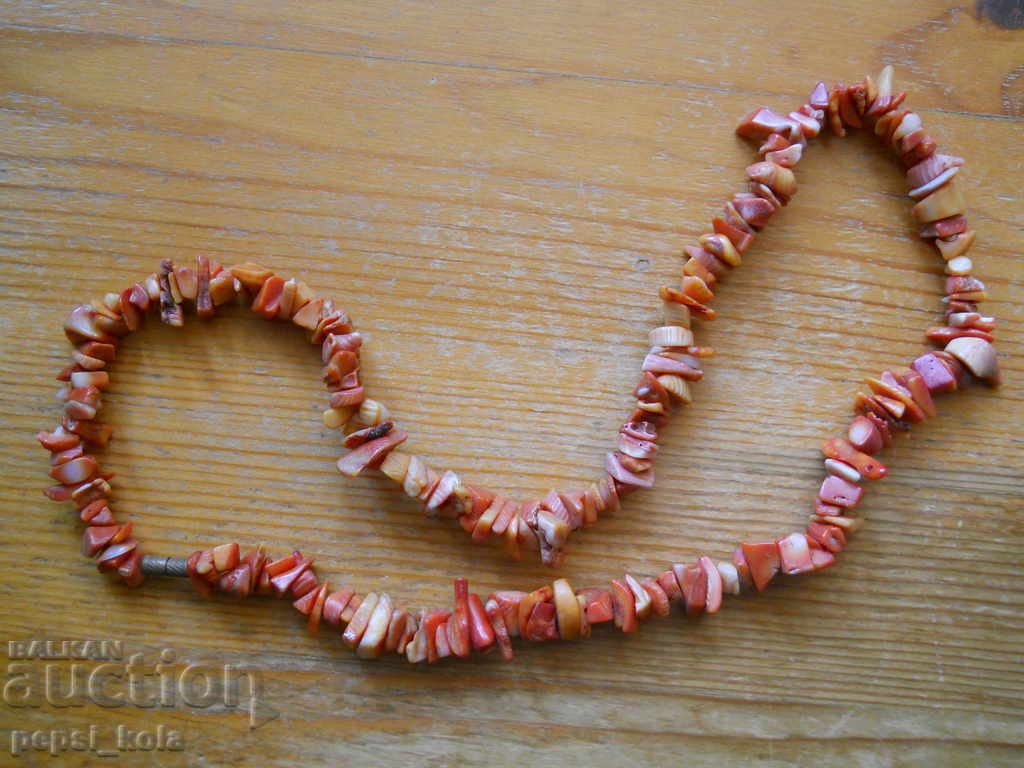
{"points": [[371, 623]]}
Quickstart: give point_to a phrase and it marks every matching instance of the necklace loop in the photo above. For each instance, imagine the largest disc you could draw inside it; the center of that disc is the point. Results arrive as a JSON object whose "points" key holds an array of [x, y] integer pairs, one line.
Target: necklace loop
{"points": [[372, 624]]}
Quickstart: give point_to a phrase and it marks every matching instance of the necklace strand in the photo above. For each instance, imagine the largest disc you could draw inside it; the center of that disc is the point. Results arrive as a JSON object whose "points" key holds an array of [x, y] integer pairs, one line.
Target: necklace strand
{"points": [[371, 623]]}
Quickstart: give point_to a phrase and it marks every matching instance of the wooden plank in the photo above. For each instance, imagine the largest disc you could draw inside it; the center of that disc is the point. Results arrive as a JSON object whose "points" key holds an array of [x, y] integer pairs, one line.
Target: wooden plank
{"points": [[747, 47], [500, 235]]}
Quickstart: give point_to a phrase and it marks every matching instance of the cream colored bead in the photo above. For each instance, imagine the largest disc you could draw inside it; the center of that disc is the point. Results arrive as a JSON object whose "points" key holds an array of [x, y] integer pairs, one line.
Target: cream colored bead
{"points": [[955, 320], [676, 314], [884, 85], [942, 203], [722, 247], [650, 407], [225, 556], [842, 469], [568, 610], [671, 336], [285, 308], [640, 596], [376, 629], [334, 418], [223, 288], [730, 577], [188, 284], [303, 295], [416, 477], [396, 466], [676, 386], [372, 413], [360, 620], [978, 355], [961, 265], [910, 123], [99, 306], [172, 282], [848, 524], [555, 530], [956, 245], [113, 302], [152, 286]]}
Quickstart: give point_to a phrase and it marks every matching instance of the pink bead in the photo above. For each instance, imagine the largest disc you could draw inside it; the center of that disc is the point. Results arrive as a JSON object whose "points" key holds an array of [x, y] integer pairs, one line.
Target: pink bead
{"points": [[843, 493], [795, 554]]}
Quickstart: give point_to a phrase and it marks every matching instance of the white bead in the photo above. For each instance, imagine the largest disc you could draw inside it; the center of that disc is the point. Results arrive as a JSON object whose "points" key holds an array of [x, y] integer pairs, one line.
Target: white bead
{"points": [[842, 469], [955, 320], [884, 83], [910, 123], [928, 187], [961, 265], [671, 336], [730, 577]]}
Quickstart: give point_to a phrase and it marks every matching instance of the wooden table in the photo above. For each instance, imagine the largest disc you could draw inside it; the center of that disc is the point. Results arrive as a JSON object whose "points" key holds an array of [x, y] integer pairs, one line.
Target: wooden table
{"points": [[495, 192]]}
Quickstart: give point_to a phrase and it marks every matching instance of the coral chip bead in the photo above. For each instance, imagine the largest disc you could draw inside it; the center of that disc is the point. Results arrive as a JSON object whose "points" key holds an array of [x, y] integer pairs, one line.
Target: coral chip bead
{"points": [[763, 561], [624, 607], [480, 630], [794, 554], [713, 600], [842, 493], [568, 610]]}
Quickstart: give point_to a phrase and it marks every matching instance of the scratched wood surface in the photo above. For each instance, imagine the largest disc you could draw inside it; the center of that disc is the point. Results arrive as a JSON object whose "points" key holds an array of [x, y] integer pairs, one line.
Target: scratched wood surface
{"points": [[495, 191]]}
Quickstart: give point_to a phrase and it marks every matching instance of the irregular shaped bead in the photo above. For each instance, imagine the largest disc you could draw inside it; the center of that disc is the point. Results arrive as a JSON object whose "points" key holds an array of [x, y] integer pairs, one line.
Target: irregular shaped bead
{"points": [[598, 605], [671, 336], [953, 246], [360, 620], [942, 203], [756, 211], [979, 357], [831, 537], [794, 554], [721, 248], [730, 577], [641, 600], [501, 633], [761, 123], [864, 435], [714, 584], [842, 469], [841, 450], [624, 607], [762, 558], [740, 239], [842, 493], [778, 178], [334, 604], [481, 632], [936, 374], [659, 600], [370, 453], [567, 610]]}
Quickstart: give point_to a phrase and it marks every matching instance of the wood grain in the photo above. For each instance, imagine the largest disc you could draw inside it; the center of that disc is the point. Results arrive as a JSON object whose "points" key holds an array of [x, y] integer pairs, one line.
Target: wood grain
{"points": [[495, 193]]}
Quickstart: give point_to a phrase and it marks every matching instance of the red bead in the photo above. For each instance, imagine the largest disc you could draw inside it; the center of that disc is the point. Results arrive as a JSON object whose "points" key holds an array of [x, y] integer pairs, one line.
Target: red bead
{"points": [[597, 604], [763, 561], [480, 631]]}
